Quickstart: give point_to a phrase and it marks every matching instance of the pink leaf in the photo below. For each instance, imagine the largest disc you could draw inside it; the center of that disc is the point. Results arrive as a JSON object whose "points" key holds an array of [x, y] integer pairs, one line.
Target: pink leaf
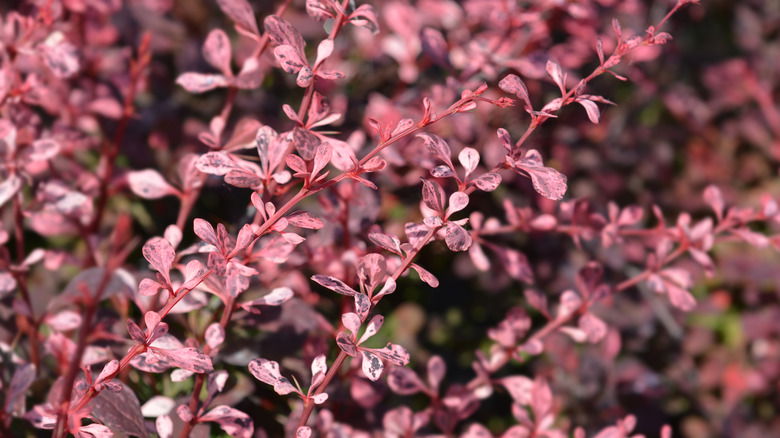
{"points": [[149, 184], [386, 241], [234, 422], [591, 108], [61, 57], [303, 219], [469, 158], [393, 353], [187, 358], [160, 254], [324, 50], [242, 14], [594, 328], [334, 284], [205, 231], [458, 201], [433, 196], [321, 158], [547, 181], [365, 16], [372, 365], [714, 198], [135, 332], [513, 84], [217, 52], [200, 83], [9, 188], [426, 276], [289, 59], [438, 147], [404, 381], [215, 335], [487, 182], [555, 72], [43, 149], [570, 303], [435, 46], [283, 33], [436, 371], [457, 238], [215, 163]]}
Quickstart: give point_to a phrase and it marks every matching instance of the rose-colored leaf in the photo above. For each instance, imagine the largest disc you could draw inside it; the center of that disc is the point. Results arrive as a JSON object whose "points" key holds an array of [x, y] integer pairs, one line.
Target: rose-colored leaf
{"points": [[365, 16], [570, 303], [372, 365], [200, 83], [289, 59], [393, 353], [242, 14], [217, 51], [149, 184], [547, 181], [457, 238], [426, 276], [438, 147], [404, 381], [160, 254], [234, 422], [9, 188], [334, 284], [435, 46], [513, 84], [61, 57], [458, 201], [591, 109], [433, 196], [594, 328], [714, 198], [188, 358], [386, 241], [555, 72]]}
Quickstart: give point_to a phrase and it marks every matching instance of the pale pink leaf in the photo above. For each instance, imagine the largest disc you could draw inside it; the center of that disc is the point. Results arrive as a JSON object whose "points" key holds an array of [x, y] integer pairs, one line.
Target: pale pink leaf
{"points": [[217, 51], [372, 328], [164, 426], [234, 422], [200, 83], [513, 84], [555, 72], [594, 328], [469, 158], [334, 284], [714, 198], [570, 303], [547, 181], [365, 16], [457, 238], [393, 353], [282, 33], [215, 163], [591, 108], [303, 219], [433, 196], [458, 201], [160, 254], [187, 358], [62, 57], [43, 149], [215, 335], [404, 381], [372, 365], [438, 147], [205, 231], [324, 50], [149, 184], [242, 14], [289, 59], [426, 276], [9, 188]]}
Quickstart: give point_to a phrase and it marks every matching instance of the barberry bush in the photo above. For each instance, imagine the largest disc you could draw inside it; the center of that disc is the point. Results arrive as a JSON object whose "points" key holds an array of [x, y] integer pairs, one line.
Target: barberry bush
{"points": [[391, 218]]}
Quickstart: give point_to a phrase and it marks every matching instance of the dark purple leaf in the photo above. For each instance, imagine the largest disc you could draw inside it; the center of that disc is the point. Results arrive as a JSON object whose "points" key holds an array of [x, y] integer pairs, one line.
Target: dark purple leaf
{"points": [[121, 411]]}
